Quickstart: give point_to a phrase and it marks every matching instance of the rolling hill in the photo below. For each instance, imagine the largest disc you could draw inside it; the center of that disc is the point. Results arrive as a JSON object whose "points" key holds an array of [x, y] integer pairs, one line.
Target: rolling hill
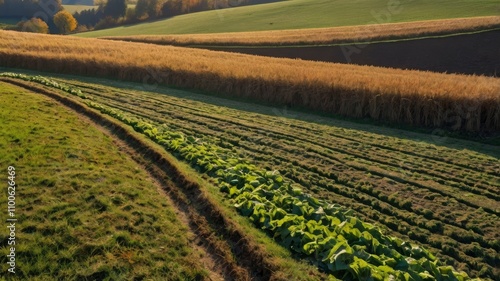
{"points": [[295, 14], [78, 2], [140, 161], [78, 8]]}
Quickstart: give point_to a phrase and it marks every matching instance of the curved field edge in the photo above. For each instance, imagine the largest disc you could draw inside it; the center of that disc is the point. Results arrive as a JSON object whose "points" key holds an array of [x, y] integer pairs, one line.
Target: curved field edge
{"points": [[84, 210], [416, 98], [242, 252], [306, 225], [363, 34], [297, 14]]}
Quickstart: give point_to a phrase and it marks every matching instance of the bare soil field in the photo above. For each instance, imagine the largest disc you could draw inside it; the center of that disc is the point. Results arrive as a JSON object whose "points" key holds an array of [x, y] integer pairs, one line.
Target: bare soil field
{"points": [[465, 54]]}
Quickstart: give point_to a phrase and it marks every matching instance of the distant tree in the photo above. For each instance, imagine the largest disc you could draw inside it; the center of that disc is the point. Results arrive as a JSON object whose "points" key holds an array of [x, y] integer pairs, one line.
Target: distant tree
{"points": [[65, 22], [189, 5], [34, 25], [81, 28], [130, 15], [28, 8], [149, 8], [141, 9], [89, 17], [100, 3], [115, 8], [106, 22], [156, 8], [172, 8]]}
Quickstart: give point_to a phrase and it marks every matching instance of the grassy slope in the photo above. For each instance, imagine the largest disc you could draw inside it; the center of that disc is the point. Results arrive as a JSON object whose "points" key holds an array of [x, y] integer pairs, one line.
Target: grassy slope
{"points": [[295, 14], [84, 208], [7, 22], [352, 140], [77, 8]]}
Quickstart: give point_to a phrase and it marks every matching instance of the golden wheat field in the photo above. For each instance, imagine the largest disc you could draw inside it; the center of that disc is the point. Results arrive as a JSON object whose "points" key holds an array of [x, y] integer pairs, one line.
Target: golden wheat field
{"points": [[318, 36], [417, 98]]}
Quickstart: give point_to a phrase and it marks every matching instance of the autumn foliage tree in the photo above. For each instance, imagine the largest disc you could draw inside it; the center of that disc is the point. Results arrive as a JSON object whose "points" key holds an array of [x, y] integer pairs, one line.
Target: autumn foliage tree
{"points": [[28, 8], [172, 8], [149, 8], [65, 22], [141, 9], [34, 25]]}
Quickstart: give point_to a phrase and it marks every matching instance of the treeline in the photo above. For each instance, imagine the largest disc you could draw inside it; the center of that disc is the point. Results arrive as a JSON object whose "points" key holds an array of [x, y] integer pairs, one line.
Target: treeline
{"points": [[37, 15], [168, 8], [49, 16], [29, 8], [151, 9], [34, 15]]}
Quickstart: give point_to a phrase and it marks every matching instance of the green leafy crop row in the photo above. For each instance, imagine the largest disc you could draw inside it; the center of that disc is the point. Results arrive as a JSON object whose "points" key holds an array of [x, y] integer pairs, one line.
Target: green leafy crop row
{"points": [[326, 234]]}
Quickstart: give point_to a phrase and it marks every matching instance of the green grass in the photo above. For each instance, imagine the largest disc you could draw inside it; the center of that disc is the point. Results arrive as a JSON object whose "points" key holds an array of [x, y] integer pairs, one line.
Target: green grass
{"points": [[84, 208], [7, 22], [78, 8], [429, 189], [295, 14], [288, 266]]}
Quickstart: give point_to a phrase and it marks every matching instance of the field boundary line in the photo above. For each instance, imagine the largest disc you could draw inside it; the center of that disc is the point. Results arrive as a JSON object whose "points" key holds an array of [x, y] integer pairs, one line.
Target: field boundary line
{"points": [[362, 42]]}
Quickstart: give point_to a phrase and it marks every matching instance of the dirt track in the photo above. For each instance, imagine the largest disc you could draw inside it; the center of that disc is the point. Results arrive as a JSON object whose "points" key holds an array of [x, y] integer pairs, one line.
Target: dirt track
{"points": [[467, 54]]}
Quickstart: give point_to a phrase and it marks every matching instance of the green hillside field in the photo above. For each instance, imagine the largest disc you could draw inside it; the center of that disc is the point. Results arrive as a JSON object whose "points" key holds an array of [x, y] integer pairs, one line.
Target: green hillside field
{"points": [[295, 14], [85, 210], [6, 22], [78, 8]]}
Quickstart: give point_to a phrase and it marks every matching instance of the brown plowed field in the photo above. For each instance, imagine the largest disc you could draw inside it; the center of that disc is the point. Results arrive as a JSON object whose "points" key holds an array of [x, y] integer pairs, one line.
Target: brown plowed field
{"points": [[467, 54]]}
